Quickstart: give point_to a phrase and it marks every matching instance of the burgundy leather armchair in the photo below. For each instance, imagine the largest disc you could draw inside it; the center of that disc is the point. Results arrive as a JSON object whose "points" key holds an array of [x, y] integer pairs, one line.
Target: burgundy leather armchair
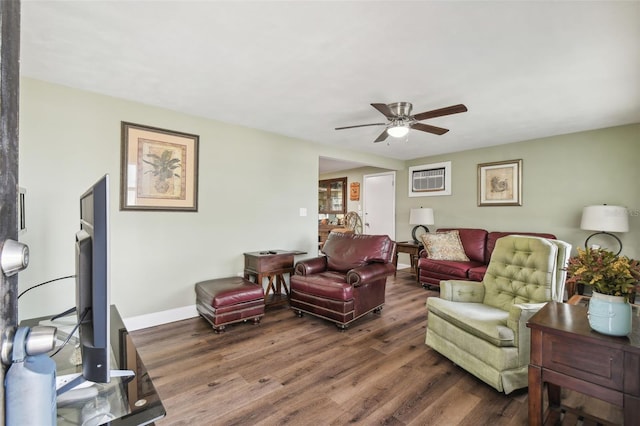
{"points": [[348, 282]]}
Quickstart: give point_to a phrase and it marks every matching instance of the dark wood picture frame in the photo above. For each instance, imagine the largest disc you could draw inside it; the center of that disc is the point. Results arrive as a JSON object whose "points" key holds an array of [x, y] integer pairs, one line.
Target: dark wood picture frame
{"points": [[159, 169]]}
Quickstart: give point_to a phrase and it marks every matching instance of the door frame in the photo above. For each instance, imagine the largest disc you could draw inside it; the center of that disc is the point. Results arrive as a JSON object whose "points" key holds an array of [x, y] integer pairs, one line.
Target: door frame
{"points": [[393, 200], [10, 88]]}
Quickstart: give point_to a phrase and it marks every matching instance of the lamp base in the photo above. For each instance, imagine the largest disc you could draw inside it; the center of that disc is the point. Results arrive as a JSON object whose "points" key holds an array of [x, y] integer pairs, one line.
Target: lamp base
{"points": [[413, 232], [586, 242]]}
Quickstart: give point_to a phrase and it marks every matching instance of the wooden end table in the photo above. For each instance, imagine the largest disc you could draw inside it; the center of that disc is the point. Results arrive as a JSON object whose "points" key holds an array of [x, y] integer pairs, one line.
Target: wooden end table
{"points": [[565, 352], [271, 264], [413, 250]]}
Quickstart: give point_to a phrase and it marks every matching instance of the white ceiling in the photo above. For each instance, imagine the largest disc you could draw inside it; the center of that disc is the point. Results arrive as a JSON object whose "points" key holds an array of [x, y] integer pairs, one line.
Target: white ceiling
{"points": [[330, 165], [525, 69]]}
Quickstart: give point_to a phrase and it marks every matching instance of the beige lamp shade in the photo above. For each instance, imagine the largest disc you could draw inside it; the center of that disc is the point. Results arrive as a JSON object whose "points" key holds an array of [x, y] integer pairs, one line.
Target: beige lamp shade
{"points": [[605, 218], [421, 216]]}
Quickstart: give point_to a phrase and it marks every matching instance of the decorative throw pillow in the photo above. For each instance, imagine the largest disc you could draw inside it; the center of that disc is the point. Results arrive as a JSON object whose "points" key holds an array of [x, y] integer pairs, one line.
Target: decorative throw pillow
{"points": [[444, 246]]}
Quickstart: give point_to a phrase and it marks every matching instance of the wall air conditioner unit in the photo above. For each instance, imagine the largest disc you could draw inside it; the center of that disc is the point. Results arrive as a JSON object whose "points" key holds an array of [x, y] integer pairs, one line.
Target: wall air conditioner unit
{"points": [[430, 180]]}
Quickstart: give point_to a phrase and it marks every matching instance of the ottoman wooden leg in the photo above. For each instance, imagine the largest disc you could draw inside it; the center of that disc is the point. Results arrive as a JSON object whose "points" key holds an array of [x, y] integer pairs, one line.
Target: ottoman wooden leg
{"points": [[219, 329]]}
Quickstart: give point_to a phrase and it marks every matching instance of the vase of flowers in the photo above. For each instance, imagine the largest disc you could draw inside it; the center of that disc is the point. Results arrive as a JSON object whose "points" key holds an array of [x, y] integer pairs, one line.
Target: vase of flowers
{"points": [[613, 280]]}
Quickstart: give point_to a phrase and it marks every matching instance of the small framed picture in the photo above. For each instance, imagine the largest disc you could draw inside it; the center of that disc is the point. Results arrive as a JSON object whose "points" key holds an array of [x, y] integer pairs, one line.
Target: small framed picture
{"points": [[354, 191], [159, 169], [500, 183]]}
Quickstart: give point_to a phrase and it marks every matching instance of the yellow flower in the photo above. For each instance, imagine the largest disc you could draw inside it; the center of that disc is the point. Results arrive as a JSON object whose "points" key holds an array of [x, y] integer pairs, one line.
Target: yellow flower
{"points": [[607, 272]]}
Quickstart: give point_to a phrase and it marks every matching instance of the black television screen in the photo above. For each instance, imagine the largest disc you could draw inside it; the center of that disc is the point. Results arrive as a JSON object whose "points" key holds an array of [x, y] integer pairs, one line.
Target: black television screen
{"points": [[92, 282]]}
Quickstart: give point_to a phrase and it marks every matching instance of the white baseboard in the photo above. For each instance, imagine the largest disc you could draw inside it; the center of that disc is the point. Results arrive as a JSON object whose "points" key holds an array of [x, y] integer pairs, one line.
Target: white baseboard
{"points": [[159, 318], [403, 265]]}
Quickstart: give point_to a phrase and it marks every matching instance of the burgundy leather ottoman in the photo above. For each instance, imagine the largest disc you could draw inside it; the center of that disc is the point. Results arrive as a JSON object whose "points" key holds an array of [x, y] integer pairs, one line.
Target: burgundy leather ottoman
{"points": [[224, 301]]}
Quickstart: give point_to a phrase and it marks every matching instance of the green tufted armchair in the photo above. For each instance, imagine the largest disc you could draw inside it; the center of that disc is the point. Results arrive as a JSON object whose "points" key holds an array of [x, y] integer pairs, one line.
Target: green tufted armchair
{"points": [[482, 327]]}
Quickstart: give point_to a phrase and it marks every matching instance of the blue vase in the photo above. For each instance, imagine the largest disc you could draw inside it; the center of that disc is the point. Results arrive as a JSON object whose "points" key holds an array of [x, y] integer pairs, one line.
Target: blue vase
{"points": [[609, 314]]}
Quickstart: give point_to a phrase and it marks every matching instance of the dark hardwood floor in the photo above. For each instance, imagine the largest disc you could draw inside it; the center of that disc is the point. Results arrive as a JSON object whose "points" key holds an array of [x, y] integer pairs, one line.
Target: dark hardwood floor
{"points": [[304, 371]]}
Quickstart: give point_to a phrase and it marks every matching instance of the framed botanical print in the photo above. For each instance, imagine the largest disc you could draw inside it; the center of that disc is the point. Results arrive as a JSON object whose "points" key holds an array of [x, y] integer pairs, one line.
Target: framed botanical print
{"points": [[159, 169]]}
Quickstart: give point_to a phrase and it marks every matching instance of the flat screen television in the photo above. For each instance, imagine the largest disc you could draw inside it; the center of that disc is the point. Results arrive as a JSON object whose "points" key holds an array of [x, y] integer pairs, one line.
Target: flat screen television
{"points": [[92, 282]]}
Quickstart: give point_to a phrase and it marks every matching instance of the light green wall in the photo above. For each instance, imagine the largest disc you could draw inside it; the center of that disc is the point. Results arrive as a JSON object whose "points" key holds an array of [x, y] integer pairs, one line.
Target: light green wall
{"points": [[252, 185], [560, 175]]}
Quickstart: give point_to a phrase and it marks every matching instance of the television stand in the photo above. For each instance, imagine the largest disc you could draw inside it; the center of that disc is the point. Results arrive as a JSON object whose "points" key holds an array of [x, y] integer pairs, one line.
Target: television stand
{"points": [[130, 398], [67, 382]]}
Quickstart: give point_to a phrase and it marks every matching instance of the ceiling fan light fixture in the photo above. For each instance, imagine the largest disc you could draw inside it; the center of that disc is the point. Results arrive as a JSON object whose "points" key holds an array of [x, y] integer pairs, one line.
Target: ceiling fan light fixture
{"points": [[398, 131]]}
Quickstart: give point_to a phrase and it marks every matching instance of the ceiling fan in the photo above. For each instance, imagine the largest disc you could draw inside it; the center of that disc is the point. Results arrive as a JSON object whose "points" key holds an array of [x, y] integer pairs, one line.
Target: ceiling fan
{"points": [[401, 120]]}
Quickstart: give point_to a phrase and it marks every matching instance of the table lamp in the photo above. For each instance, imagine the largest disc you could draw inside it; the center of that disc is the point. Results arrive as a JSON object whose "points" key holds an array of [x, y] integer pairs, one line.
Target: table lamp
{"points": [[605, 219], [420, 217]]}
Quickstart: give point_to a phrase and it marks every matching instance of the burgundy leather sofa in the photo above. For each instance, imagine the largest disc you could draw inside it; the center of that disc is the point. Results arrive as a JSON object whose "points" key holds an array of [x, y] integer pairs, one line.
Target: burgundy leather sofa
{"points": [[478, 245], [348, 282]]}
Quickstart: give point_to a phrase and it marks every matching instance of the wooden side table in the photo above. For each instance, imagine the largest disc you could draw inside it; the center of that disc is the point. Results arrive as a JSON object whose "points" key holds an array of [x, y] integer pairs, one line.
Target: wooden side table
{"points": [[413, 250], [565, 352], [271, 264]]}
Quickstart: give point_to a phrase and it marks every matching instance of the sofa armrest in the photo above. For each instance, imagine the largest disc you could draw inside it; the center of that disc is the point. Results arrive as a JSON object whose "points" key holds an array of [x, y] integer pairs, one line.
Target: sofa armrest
{"points": [[462, 291], [311, 266], [519, 315], [371, 272]]}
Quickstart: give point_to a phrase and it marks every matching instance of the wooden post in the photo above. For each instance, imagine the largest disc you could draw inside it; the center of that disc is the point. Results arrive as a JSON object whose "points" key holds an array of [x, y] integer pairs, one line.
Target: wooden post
{"points": [[9, 99]]}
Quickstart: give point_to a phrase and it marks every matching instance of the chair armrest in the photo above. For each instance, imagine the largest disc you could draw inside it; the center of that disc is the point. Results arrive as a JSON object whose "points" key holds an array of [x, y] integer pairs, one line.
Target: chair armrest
{"points": [[521, 312], [462, 291], [311, 266], [371, 272], [519, 315]]}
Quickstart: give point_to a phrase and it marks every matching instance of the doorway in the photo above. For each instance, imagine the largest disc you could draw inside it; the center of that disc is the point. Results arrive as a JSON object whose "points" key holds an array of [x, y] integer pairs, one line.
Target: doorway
{"points": [[379, 201]]}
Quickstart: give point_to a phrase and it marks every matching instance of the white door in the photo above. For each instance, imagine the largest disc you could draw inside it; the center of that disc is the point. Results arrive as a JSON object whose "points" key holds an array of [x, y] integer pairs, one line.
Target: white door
{"points": [[379, 199]]}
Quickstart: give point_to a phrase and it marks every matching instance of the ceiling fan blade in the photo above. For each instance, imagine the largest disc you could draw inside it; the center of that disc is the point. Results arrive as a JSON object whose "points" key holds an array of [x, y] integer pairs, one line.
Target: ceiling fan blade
{"points": [[453, 109], [384, 109], [361, 125], [429, 129], [383, 136]]}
